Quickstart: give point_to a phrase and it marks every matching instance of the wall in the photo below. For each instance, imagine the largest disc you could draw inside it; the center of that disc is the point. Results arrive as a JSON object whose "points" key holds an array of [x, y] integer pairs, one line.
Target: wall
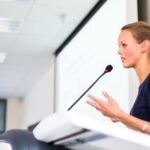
{"points": [[14, 113], [38, 103]]}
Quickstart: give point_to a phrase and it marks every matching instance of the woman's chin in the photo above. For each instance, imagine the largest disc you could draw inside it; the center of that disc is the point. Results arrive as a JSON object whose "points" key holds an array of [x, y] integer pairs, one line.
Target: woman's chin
{"points": [[126, 65]]}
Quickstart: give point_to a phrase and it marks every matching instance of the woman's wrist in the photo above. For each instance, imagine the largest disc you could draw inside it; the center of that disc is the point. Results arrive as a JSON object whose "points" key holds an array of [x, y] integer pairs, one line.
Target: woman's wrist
{"points": [[133, 122], [121, 115], [145, 126]]}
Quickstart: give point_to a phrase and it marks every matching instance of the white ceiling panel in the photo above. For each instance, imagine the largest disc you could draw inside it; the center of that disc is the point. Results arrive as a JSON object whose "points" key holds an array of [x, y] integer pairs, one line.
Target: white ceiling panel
{"points": [[46, 25], [7, 40], [15, 9]]}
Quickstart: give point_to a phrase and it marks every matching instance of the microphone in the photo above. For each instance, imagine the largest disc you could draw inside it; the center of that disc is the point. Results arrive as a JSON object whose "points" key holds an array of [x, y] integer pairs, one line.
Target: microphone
{"points": [[107, 69]]}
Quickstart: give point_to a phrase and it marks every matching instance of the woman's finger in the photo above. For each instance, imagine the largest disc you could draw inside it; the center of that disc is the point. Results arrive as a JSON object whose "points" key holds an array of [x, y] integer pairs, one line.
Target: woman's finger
{"points": [[95, 99], [95, 105], [109, 98]]}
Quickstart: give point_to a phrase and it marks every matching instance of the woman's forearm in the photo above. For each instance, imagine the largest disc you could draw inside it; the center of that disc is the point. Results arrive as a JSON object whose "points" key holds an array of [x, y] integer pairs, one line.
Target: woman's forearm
{"points": [[134, 123]]}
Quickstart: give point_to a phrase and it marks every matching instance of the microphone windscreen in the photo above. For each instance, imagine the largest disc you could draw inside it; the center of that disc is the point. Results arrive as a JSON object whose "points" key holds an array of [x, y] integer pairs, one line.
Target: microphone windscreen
{"points": [[108, 68]]}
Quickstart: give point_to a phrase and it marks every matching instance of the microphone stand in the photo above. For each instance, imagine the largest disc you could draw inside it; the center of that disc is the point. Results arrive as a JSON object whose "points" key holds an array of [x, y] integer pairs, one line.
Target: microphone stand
{"points": [[87, 90]]}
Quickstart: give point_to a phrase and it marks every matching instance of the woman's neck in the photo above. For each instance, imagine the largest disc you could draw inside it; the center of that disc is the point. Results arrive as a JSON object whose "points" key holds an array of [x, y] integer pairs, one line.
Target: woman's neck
{"points": [[142, 68], [142, 72]]}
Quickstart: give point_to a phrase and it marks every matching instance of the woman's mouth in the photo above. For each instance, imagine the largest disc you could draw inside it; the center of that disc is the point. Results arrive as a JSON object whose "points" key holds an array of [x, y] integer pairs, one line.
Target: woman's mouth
{"points": [[122, 59]]}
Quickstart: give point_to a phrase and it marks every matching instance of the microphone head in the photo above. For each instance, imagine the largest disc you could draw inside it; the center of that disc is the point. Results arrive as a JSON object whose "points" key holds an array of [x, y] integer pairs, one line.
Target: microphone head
{"points": [[108, 68]]}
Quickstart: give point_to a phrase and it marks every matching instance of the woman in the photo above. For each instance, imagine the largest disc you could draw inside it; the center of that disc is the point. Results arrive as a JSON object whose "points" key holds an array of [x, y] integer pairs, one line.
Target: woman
{"points": [[134, 50]]}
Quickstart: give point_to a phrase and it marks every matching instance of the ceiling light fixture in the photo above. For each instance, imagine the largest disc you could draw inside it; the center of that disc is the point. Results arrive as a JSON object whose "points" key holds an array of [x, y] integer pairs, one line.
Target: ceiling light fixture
{"points": [[9, 25], [2, 57]]}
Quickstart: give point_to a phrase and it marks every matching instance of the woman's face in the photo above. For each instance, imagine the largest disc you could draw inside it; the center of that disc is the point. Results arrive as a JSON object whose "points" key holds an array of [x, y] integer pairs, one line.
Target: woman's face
{"points": [[129, 49]]}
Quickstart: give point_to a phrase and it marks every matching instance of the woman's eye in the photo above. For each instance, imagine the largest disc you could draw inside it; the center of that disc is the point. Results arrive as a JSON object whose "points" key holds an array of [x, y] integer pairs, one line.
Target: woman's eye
{"points": [[124, 45]]}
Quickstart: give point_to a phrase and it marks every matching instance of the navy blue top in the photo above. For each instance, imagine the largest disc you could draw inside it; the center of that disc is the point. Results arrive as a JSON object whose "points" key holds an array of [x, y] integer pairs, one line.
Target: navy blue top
{"points": [[141, 107]]}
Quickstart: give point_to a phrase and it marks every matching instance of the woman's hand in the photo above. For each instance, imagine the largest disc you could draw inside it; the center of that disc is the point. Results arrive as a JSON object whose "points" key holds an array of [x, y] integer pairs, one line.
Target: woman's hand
{"points": [[108, 108]]}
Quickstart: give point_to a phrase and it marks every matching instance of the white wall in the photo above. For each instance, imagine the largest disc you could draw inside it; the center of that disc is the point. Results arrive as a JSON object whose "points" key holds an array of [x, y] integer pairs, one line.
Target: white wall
{"points": [[38, 103]]}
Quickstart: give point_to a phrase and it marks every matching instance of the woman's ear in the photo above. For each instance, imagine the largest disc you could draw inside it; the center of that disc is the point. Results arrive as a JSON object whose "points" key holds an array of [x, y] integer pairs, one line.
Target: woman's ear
{"points": [[145, 46]]}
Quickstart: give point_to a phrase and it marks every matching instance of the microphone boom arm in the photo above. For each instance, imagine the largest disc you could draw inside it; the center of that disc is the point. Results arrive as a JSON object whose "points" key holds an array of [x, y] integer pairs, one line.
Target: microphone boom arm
{"points": [[107, 69]]}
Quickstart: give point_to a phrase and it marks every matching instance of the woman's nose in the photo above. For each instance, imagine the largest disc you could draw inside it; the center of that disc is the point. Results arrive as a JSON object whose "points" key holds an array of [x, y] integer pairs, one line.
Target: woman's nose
{"points": [[119, 51]]}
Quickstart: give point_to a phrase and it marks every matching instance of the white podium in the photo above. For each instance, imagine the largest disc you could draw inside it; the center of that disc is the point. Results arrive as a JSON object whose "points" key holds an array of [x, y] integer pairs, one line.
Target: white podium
{"points": [[79, 132]]}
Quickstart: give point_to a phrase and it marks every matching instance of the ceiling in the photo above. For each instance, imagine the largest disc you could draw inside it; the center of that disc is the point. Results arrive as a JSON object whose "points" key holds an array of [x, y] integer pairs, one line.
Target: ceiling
{"points": [[29, 48]]}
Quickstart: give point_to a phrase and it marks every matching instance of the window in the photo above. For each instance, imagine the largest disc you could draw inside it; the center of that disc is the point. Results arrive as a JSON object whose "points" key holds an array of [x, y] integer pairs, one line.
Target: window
{"points": [[2, 115]]}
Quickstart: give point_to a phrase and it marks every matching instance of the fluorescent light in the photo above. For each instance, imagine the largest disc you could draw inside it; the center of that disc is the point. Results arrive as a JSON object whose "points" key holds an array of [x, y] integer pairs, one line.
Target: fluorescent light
{"points": [[2, 57], [9, 25]]}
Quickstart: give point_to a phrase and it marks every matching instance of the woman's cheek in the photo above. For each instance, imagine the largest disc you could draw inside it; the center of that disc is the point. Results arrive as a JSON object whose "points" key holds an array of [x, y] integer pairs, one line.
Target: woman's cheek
{"points": [[129, 53]]}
